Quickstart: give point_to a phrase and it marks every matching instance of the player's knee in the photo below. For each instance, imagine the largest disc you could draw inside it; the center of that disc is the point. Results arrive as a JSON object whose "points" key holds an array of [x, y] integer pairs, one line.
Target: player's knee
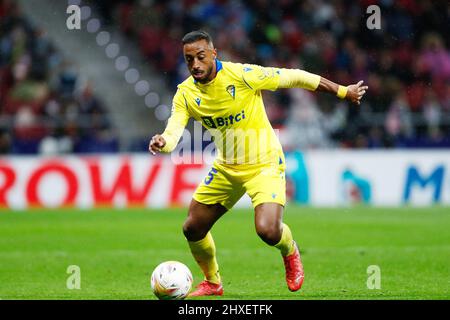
{"points": [[270, 233], [192, 231]]}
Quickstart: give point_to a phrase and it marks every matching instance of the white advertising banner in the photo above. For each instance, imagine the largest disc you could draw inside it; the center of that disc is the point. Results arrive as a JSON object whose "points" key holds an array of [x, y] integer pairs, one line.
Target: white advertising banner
{"points": [[389, 178]]}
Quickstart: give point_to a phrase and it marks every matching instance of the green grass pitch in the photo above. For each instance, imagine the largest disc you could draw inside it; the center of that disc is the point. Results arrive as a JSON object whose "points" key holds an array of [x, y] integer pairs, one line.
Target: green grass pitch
{"points": [[117, 250]]}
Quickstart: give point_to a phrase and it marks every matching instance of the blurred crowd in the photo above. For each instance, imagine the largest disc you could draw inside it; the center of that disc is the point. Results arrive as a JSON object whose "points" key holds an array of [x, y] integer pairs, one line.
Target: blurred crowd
{"points": [[406, 64], [46, 106]]}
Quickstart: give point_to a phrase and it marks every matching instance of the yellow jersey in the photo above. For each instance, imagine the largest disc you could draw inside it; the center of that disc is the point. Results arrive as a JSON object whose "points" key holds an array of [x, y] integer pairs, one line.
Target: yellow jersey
{"points": [[232, 109]]}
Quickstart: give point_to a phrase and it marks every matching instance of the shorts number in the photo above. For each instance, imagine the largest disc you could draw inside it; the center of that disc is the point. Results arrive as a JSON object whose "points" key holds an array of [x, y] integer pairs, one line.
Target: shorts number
{"points": [[210, 176]]}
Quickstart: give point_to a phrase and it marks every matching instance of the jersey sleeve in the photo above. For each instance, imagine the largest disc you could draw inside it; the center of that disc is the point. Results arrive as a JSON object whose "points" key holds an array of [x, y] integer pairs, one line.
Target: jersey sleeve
{"points": [[296, 78], [176, 123], [260, 78]]}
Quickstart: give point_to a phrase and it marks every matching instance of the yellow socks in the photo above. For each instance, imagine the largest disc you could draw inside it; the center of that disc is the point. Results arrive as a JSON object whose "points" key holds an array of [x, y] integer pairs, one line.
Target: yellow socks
{"points": [[286, 244], [204, 252]]}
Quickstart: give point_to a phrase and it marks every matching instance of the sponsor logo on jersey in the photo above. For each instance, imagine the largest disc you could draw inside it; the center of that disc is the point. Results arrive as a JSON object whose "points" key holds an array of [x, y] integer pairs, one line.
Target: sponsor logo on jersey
{"points": [[223, 121]]}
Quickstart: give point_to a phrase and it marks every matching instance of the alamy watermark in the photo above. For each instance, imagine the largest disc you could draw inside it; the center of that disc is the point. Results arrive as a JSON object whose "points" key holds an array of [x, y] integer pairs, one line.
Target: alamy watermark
{"points": [[374, 20], [74, 280], [73, 21], [374, 277]]}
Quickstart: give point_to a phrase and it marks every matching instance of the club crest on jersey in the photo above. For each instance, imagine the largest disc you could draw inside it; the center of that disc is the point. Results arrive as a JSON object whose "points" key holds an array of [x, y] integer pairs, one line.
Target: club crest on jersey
{"points": [[231, 90], [198, 100], [223, 121]]}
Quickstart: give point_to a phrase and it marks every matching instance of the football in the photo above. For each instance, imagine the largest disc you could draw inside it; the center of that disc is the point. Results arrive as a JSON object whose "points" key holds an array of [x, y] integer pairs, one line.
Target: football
{"points": [[171, 280]]}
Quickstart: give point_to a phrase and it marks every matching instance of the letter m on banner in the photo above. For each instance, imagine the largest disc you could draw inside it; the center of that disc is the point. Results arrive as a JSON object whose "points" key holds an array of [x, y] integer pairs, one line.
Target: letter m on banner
{"points": [[435, 180]]}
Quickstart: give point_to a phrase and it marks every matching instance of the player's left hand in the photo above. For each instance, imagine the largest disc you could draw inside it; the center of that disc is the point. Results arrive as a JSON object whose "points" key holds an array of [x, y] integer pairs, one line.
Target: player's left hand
{"points": [[356, 91]]}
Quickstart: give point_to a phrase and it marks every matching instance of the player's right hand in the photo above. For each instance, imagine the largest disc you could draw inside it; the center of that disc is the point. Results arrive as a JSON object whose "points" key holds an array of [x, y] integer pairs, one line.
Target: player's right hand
{"points": [[156, 143]]}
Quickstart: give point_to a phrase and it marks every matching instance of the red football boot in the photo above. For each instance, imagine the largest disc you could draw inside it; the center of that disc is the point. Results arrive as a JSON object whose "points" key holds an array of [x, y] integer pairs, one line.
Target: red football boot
{"points": [[206, 288], [294, 270]]}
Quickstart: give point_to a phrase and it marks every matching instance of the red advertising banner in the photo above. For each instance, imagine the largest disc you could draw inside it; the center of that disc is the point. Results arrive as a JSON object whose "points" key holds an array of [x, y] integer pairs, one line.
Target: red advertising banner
{"points": [[118, 181]]}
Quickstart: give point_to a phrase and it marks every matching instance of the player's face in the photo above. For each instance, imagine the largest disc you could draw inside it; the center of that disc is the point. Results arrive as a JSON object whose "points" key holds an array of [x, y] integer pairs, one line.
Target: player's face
{"points": [[200, 59]]}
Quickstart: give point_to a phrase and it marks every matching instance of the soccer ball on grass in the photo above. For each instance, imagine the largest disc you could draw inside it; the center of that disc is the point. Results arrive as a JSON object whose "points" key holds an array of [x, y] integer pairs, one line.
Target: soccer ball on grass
{"points": [[171, 280]]}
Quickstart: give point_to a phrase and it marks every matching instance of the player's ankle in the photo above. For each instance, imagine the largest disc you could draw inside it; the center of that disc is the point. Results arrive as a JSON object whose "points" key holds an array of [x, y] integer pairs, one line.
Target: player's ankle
{"points": [[214, 281], [214, 278]]}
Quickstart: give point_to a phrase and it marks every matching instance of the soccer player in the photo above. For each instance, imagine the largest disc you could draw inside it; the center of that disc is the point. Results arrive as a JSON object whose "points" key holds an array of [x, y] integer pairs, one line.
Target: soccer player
{"points": [[226, 98]]}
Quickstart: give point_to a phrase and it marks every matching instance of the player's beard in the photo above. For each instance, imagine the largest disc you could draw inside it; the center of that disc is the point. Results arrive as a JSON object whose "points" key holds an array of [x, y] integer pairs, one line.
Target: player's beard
{"points": [[205, 77]]}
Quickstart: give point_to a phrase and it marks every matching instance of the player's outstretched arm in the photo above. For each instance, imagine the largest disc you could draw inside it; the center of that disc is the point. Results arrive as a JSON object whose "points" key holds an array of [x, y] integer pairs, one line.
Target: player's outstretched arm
{"points": [[295, 78]]}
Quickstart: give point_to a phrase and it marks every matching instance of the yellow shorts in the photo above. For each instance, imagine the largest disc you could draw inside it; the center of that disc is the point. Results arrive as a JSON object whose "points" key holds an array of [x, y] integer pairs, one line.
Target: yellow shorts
{"points": [[226, 184]]}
